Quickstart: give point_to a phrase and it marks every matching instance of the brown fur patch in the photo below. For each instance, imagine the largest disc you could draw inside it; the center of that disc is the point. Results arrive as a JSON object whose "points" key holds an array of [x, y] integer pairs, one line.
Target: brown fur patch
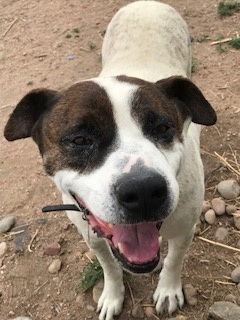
{"points": [[82, 110]]}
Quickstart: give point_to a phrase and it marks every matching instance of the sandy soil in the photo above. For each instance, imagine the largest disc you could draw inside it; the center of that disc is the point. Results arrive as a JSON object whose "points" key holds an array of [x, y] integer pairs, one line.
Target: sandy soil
{"points": [[53, 44]]}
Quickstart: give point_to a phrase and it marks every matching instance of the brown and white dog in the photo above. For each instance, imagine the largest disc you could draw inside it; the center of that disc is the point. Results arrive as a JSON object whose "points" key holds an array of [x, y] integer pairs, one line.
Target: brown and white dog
{"points": [[125, 145]]}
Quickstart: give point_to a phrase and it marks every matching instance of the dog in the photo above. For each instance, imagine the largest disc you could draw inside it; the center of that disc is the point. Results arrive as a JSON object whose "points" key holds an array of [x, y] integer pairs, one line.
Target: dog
{"points": [[124, 148]]}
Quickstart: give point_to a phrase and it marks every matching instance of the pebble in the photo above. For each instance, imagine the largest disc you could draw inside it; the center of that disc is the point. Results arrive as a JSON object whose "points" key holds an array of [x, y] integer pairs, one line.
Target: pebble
{"points": [[149, 311], [210, 216], [221, 234], [230, 209], [21, 239], [6, 223], [55, 266], [236, 219], [190, 294], [197, 229], [235, 275], [3, 248], [89, 307], [137, 312], [53, 249], [206, 206], [224, 310], [229, 189], [218, 206], [231, 298], [97, 290]]}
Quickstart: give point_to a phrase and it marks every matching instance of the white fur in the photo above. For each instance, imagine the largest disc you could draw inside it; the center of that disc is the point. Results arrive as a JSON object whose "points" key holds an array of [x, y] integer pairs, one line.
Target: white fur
{"points": [[148, 40]]}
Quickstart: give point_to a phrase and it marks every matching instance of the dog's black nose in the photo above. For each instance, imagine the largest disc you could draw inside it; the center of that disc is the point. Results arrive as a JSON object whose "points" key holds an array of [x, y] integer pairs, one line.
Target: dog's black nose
{"points": [[143, 194]]}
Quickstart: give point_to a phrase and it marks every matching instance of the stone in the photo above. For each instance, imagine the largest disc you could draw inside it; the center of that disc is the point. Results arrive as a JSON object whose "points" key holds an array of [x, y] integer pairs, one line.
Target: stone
{"points": [[53, 249], [6, 223], [197, 229], [55, 266], [97, 290], [219, 206], [206, 206], [137, 312], [231, 298], [190, 294], [89, 307], [229, 189], [3, 248], [224, 310], [221, 234], [149, 311], [230, 209], [235, 275], [210, 216], [22, 239], [236, 219]]}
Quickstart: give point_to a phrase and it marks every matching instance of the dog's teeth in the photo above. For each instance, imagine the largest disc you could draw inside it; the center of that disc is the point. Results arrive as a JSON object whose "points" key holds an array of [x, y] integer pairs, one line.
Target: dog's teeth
{"points": [[120, 248]]}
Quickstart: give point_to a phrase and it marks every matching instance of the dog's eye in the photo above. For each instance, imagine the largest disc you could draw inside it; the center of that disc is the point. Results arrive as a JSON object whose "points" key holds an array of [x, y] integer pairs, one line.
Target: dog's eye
{"points": [[82, 141]]}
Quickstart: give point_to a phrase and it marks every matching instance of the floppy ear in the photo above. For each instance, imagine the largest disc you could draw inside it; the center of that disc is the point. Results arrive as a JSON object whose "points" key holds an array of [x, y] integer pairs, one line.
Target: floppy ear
{"points": [[27, 113], [194, 103]]}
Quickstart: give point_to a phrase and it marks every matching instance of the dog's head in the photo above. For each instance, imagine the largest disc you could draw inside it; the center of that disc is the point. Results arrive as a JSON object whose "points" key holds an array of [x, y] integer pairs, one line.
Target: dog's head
{"points": [[114, 145]]}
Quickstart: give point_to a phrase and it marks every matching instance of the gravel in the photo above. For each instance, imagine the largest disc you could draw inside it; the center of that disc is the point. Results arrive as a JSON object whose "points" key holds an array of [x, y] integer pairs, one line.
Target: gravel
{"points": [[97, 290], [229, 189], [6, 223], [53, 249], [230, 209], [236, 219], [206, 206], [190, 294]]}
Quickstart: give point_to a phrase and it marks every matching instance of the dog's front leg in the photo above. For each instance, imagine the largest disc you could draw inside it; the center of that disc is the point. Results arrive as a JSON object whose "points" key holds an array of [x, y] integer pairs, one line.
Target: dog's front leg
{"points": [[169, 285], [111, 301]]}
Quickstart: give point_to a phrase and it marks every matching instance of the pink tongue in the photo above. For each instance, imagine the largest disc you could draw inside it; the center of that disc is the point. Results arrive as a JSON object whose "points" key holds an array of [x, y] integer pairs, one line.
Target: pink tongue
{"points": [[137, 242]]}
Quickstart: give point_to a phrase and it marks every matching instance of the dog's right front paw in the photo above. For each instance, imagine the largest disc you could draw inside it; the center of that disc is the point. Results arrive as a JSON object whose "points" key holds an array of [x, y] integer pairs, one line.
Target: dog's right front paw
{"points": [[110, 302]]}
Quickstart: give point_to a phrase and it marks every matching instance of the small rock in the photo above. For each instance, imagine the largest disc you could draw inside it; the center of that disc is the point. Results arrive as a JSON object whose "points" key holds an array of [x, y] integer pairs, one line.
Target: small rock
{"points": [[221, 234], [230, 209], [218, 206], [210, 216], [90, 308], [21, 239], [97, 290], [236, 219], [190, 294], [137, 312], [3, 248], [231, 298], [149, 311], [55, 266], [53, 249], [235, 275], [206, 206], [224, 310], [229, 189], [197, 230], [6, 223]]}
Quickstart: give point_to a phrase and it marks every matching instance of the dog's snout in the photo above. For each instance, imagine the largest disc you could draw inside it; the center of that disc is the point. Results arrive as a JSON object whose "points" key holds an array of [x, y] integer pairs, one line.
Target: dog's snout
{"points": [[143, 194]]}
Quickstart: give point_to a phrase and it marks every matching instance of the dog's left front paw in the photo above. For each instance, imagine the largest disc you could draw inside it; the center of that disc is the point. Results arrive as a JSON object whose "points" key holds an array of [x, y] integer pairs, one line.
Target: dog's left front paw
{"points": [[168, 295], [110, 303]]}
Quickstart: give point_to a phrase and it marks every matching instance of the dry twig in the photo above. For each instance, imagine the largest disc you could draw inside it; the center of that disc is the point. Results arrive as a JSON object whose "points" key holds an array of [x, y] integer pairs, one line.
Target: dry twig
{"points": [[131, 293], [9, 28], [220, 41], [31, 241], [219, 244]]}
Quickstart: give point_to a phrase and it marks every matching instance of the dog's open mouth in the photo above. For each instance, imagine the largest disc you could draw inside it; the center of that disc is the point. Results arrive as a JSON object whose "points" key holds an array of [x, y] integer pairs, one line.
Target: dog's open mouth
{"points": [[136, 246]]}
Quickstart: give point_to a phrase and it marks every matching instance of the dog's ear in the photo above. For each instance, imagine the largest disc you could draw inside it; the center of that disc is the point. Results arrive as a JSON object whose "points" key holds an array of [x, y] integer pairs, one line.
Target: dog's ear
{"points": [[27, 113], [194, 103]]}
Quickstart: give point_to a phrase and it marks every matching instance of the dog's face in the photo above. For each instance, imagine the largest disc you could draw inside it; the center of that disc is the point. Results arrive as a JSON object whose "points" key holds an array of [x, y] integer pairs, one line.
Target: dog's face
{"points": [[114, 145]]}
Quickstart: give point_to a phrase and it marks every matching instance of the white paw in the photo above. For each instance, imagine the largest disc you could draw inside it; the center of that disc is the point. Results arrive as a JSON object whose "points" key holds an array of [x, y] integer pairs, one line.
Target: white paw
{"points": [[168, 295], [110, 303]]}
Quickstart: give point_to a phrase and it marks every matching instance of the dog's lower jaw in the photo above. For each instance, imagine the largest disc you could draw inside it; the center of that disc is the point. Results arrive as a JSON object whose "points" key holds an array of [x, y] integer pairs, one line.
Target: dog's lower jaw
{"points": [[169, 285]]}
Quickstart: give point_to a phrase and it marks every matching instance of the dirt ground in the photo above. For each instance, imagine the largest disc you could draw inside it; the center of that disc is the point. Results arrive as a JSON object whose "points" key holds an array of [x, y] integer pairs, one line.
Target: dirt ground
{"points": [[52, 43]]}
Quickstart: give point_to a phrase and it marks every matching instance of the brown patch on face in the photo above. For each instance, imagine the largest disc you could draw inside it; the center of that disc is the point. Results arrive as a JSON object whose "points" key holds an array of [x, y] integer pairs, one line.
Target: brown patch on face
{"points": [[161, 119], [79, 131]]}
